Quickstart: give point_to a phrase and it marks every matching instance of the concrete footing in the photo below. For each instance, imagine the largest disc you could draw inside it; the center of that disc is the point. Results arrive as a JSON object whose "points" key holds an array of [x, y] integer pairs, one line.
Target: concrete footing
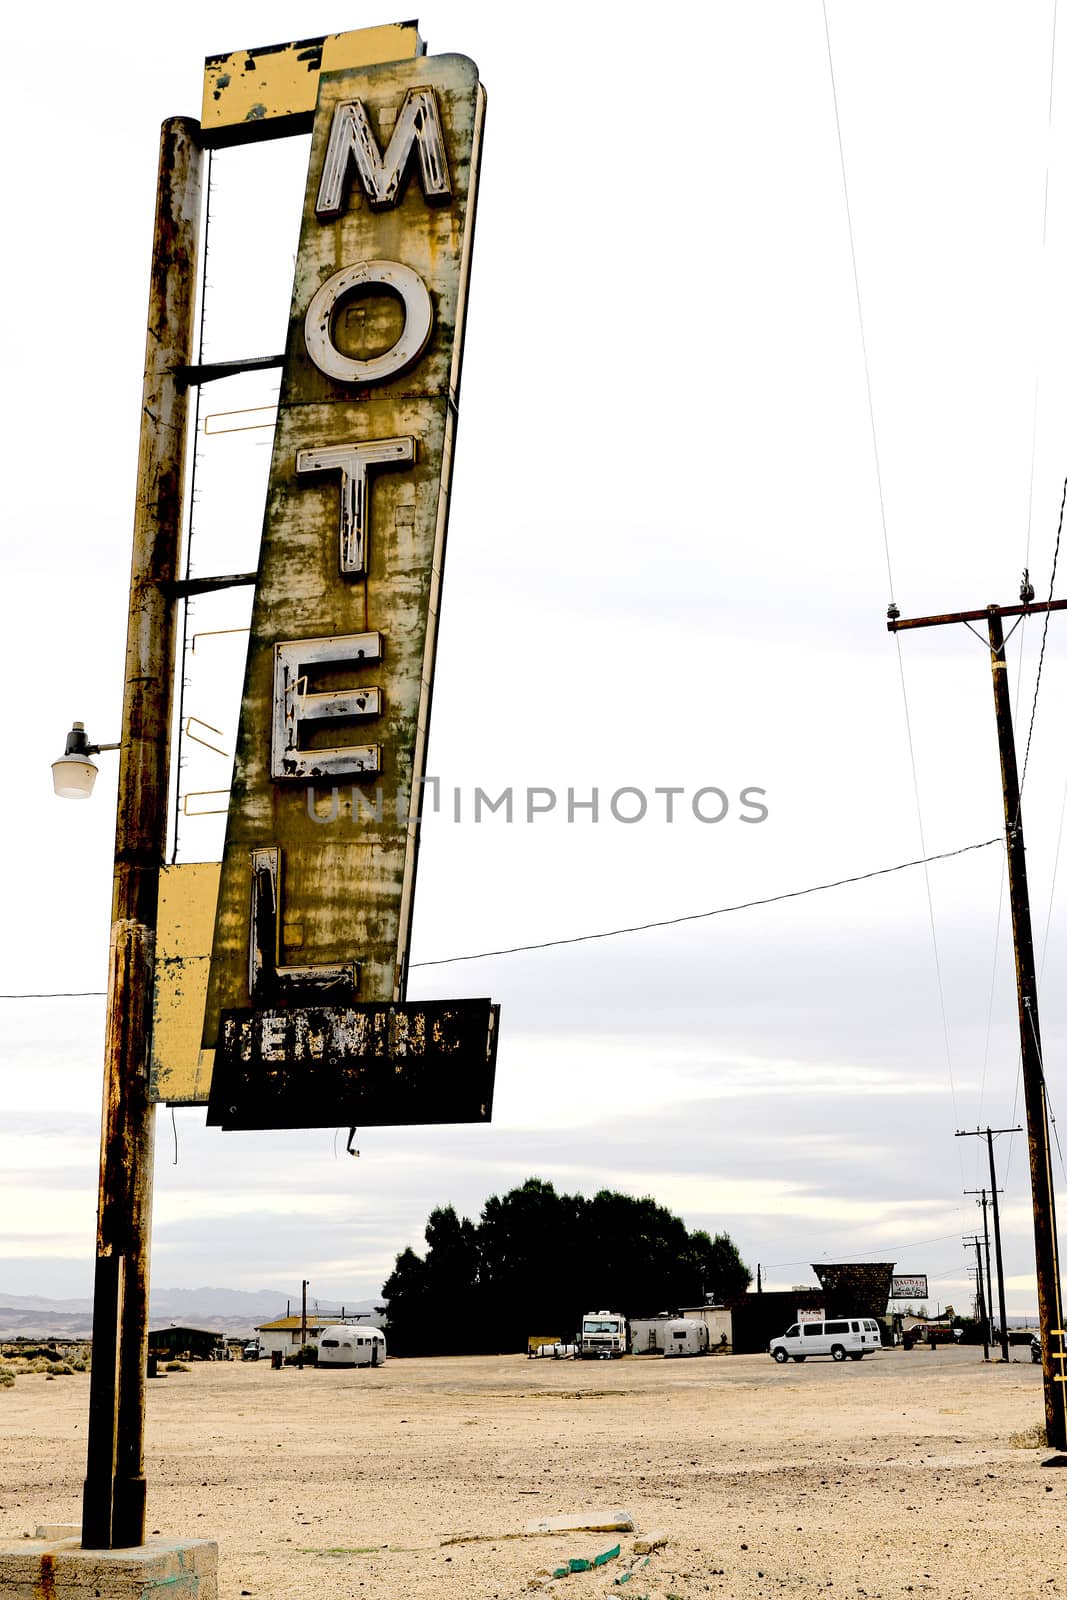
{"points": [[54, 1566]]}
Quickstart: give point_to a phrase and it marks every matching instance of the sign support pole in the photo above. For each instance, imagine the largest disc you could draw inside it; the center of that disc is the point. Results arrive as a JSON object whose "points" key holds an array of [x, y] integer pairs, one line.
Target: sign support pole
{"points": [[113, 1507]]}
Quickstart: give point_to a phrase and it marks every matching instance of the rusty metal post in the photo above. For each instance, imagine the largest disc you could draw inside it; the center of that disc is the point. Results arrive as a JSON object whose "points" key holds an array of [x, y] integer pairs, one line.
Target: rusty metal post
{"points": [[1049, 1301], [113, 1509]]}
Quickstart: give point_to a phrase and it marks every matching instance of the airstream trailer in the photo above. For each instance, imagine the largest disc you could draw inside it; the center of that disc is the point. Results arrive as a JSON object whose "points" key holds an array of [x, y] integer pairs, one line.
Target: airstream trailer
{"points": [[347, 1345], [685, 1336]]}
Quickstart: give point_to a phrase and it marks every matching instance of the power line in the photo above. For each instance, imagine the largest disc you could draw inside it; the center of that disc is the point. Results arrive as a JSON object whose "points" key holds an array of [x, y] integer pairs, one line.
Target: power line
{"points": [[1044, 639], [60, 994], [929, 891], [889, 1249], [859, 302], [888, 561], [614, 933], [717, 911]]}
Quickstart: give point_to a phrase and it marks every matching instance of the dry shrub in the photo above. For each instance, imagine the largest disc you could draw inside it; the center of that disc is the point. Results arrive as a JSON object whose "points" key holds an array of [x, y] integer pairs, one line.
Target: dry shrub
{"points": [[175, 1366], [1029, 1438], [7, 1377]]}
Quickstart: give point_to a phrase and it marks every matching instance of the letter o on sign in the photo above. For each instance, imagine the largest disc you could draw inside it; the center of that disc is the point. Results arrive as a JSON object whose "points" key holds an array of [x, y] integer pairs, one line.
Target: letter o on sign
{"points": [[418, 322]]}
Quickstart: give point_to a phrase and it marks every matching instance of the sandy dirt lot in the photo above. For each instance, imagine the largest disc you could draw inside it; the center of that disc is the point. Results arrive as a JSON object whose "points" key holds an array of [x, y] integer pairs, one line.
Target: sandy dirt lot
{"points": [[895, 1476]]}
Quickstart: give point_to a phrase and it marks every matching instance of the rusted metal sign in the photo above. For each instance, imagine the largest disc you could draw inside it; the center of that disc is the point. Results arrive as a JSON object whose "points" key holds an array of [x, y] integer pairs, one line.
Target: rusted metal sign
{"points": [[371, 1065], [318, 871]]}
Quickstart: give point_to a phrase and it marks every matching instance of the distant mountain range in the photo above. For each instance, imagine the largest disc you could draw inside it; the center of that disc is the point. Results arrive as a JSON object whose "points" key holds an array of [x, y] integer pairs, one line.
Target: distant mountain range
{"points": [[231, 1311]]}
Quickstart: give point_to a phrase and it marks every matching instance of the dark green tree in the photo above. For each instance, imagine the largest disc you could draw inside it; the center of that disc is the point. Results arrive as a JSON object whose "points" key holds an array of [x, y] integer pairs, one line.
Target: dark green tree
{"points": [[435, 1299], [537, 1260]]}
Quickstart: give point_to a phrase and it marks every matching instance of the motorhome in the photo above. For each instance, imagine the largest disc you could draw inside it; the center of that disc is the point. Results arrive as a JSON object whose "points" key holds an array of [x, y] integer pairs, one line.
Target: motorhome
{"points": [[347, 1345], [604, 1336]]}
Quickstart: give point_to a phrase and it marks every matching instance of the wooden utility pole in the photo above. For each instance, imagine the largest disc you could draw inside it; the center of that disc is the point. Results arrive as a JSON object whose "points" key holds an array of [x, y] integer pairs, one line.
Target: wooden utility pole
{"points": [[113, 1506], [987, 1134], [1049, 1299], [984, 1203], [975, 1244]]}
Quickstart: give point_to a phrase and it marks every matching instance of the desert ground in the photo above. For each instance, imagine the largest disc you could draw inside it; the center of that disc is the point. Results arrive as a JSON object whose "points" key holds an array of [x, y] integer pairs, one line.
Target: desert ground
{"points": [[901, 1475]]}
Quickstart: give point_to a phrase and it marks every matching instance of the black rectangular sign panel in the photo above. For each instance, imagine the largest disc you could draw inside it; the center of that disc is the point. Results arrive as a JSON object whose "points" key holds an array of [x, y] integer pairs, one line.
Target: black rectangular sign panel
{"points": [[369, 1065]]}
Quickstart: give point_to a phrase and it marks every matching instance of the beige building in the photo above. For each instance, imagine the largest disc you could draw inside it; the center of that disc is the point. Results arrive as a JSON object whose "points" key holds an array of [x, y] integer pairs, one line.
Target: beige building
{"points": [[718, 1321]]}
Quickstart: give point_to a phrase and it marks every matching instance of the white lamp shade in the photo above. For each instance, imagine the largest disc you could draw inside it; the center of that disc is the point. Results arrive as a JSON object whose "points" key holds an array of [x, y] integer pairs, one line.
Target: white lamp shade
{"points": [[73, 777]]}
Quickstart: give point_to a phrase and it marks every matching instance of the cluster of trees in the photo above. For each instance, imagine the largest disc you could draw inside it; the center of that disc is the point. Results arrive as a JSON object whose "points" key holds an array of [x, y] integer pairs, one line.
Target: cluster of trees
{"points": [[536, 1260]]}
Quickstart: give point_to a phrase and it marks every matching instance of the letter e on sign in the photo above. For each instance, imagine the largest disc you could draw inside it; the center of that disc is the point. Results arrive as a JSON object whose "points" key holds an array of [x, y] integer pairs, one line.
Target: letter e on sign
{"points": [[298, 707]]}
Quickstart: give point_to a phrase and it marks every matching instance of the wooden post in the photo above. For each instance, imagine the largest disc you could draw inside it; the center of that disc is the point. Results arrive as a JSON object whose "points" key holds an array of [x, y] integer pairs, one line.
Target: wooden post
{"points": [[113, 1508]]}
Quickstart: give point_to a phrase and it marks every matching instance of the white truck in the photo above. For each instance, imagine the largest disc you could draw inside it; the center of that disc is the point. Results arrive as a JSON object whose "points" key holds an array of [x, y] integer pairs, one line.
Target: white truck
{"points": [[604, 1336]]}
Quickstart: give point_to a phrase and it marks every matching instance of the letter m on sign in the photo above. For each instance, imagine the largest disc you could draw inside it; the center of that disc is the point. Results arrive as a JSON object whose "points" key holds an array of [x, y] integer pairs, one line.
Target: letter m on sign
{"points": [[352, 144]]}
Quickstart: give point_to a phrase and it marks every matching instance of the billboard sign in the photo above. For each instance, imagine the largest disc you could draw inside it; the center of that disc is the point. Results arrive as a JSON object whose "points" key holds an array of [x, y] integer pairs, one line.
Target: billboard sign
{"points": [[910, 1288]]}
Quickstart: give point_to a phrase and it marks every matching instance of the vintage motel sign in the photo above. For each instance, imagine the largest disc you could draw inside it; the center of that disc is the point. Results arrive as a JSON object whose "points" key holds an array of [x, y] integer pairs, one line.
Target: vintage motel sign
{"points": [[309, 959]]}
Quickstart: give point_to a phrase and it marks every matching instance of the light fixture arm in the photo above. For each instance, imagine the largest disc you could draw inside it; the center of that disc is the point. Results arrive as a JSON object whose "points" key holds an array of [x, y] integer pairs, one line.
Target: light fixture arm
{"points": [[78, 743]]}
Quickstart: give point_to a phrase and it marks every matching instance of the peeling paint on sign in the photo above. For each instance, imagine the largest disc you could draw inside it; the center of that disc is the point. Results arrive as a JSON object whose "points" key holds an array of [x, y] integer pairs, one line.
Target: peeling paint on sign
{"points": [[269, 92]]}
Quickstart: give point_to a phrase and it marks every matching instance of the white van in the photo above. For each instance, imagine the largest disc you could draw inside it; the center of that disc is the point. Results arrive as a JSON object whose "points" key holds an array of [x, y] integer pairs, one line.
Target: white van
{"points": [[346, 1346], [843, 1336]]}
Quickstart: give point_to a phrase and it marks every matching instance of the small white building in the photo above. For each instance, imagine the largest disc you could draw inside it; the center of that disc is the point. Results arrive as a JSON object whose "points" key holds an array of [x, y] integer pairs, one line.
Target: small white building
{"points": [[719, 1322], [284, 1333]]}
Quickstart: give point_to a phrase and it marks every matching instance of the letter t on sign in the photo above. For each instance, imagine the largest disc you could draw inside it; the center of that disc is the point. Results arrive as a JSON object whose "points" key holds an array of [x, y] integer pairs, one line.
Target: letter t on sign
{"points": [[352, 461]]}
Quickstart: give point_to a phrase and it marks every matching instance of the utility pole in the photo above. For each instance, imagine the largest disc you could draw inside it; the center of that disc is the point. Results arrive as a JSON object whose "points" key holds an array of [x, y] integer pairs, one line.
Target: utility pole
{"points": [[303, 1312], [113, 1503], [975, 1245], [1046, 1255], [987, 1134], [984, 1203]]}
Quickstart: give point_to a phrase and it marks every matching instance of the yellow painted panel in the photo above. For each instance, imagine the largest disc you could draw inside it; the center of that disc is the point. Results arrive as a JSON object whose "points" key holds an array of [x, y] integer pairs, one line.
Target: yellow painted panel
{"points": [[181, 1070], [266, 92]]}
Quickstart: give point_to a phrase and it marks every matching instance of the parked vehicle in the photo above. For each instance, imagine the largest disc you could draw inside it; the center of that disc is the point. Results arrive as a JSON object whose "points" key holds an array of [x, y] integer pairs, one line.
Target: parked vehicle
{"points": [[345, 1345], [1035, 1348], [605, 1336], [838, 1337], [251, 1351]]}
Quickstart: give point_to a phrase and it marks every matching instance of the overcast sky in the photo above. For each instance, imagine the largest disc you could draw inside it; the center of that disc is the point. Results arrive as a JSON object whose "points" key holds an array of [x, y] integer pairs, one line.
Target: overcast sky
{"points": [[667, 567]]}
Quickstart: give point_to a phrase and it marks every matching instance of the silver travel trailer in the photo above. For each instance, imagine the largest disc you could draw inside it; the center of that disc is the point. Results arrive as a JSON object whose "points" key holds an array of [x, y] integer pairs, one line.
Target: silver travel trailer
{"points": [[350, 1345], [685, 1336]]}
